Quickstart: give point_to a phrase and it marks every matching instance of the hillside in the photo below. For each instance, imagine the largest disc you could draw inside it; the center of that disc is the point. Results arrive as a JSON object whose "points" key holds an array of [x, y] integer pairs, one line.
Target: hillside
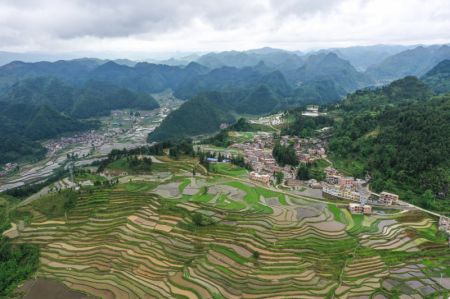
{"points": [[231, 78], [329, 67], [397, 134], [438, 78], [412, 62], [93, 98], [224, 237], [259, 101], [274, 58], [197, 116], [22, 124]]}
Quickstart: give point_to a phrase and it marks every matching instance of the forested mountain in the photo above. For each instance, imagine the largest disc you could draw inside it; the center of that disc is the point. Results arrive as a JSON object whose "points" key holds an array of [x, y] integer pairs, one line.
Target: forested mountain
{"points": [[259, 101], [399, 134], [143, 77], [274, 58], [329, 67], [200, 115], [93, 98], [318, 92], [74, 71], [438, 78], [361, 57], [229, 78], [23, 123], [413, 62], [146, 77], [408, 89]]}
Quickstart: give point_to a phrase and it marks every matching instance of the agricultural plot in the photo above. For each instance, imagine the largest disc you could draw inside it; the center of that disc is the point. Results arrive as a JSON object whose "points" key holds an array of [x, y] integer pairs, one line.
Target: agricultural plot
{"points": [[140, 240]]}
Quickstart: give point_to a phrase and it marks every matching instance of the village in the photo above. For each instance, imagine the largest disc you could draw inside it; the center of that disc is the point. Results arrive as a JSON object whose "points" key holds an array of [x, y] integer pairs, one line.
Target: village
{"points": [[121, 129], [257, 154]]}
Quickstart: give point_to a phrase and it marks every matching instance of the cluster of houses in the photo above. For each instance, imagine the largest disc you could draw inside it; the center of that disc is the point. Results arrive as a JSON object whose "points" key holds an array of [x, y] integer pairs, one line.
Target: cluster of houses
{"points": [[307, 150], [92, 138], [337, 186], [258, 154], [7, 168]]}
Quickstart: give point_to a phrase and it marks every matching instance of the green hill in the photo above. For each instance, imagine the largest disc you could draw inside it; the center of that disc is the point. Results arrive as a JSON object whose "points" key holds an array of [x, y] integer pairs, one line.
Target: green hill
{"points": [[22, 124], [260, 101], [330, 67], [412, 62], [399, 135], [94, 98], [438, 78], [197, 116]]}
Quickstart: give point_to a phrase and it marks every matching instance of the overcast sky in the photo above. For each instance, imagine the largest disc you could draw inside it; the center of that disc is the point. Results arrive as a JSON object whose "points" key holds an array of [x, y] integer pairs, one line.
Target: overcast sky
{"points": [[132, 27]]}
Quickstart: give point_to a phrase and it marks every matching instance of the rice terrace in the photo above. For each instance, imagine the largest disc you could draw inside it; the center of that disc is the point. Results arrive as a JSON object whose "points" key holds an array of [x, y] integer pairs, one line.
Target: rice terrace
{"points": [[178, 233]]}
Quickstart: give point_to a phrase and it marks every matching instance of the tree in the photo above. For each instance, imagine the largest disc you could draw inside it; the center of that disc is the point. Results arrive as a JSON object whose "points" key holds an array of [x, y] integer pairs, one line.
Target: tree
{"points": [[279, 176], [303, 172], [197, 218]]}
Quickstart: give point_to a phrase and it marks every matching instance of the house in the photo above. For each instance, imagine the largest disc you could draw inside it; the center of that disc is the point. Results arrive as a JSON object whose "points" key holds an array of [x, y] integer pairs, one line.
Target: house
{"points": [[332, 179], [356, 208], [294, 184], [388, 198], [311, 110], [262, 178], [346, 181], [331, 190], [444, 224]]}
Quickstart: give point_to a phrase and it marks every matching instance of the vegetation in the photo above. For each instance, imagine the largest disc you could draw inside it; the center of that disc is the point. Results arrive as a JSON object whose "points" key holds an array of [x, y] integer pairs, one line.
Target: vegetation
{"points": [[94, 98], [415, 62], [197, 116], [284, 155], [438, 78], [22, 124], [304, 126], [17, 261], [223, 138], [397, 134]]}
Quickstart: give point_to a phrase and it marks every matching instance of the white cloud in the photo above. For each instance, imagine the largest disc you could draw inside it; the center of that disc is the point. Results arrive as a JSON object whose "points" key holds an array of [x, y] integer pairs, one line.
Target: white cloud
{"points": [[202, 25]]}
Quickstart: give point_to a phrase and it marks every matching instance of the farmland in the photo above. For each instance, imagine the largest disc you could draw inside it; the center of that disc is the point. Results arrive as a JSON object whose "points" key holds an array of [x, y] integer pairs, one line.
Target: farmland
{"points": [[140, 239]]}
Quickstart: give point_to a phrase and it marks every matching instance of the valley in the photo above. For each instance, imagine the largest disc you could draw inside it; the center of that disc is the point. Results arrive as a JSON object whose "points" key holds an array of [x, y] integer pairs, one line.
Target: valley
{"points": [[256, 174], [123, 129]]}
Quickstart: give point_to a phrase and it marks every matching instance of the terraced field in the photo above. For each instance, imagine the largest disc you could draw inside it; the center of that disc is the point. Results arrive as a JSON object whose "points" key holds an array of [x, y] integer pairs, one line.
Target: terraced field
{"points": [[138, 240]]}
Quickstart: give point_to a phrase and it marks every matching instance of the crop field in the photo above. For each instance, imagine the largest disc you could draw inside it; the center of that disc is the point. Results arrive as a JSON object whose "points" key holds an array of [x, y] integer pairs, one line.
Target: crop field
{"points": [[138, 240]]}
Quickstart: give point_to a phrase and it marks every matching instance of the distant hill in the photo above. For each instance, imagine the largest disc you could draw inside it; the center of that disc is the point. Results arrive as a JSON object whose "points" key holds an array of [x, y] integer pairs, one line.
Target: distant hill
{"points": [[274, 58], [199, 115], [412, 62], [361, 57], [142, 77], [229, 78], [93, 98], [329, 67], [318, 92], [259, 101], [438, 78]]}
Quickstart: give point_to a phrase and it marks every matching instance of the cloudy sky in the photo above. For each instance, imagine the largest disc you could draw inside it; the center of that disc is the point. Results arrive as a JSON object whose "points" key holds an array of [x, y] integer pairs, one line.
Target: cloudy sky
{"points": [[132, 27]]}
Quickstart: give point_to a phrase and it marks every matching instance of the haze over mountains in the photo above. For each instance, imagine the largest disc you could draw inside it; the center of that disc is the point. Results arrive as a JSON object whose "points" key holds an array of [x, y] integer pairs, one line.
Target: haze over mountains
{"points": [[221, 85]]}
